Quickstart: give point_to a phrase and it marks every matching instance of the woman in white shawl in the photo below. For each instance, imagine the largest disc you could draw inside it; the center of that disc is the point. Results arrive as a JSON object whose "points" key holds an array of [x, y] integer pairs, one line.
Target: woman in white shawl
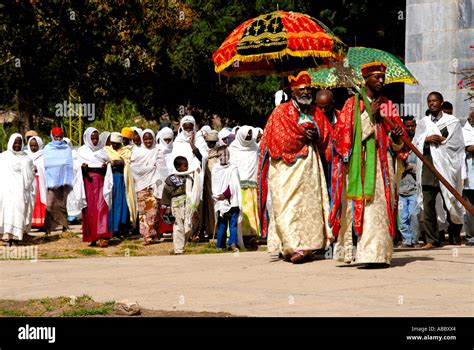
{"points": [[149, 171], [17, 191], [243, 154], [98, 183], [191, 145], [35, 152]]}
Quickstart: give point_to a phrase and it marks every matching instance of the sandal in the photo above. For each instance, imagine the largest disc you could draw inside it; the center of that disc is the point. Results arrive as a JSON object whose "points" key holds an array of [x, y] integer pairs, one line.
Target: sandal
{"points": [[103, 243], [300, 257]]}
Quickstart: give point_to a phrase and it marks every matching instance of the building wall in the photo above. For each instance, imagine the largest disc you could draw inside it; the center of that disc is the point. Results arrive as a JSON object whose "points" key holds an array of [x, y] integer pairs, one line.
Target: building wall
{"points": [[438, 36]]}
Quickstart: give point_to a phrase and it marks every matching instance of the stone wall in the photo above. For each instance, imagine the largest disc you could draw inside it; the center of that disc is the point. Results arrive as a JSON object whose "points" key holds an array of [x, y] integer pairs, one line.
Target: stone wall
{"points": [[438, 36]]}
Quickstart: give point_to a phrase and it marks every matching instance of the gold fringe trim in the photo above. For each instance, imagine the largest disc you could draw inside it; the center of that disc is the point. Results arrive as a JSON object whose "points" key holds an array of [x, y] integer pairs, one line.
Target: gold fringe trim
{"points": [[276, 55]]}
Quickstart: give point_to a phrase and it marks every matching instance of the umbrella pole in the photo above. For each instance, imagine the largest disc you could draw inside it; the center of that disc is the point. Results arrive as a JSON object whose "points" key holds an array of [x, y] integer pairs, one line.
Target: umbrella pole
{"points": [[430, 166]]}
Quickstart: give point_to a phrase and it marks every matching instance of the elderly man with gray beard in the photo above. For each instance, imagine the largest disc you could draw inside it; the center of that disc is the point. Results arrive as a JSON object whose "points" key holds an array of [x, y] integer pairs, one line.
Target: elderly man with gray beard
{"points": [[295, 138]]}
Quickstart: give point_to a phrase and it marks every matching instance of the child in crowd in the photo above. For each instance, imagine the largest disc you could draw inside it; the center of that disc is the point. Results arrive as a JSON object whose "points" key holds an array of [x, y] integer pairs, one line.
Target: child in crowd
{"points": [[181, 196], [228, 199]]}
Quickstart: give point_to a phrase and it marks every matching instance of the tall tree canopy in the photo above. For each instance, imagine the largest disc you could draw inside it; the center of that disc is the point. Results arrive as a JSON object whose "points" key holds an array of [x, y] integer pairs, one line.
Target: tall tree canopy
{"points": [[156, 54]]}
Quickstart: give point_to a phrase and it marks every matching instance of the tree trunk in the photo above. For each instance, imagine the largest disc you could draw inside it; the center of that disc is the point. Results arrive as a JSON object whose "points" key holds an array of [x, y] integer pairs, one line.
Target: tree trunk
{"points": [[25, 110]]}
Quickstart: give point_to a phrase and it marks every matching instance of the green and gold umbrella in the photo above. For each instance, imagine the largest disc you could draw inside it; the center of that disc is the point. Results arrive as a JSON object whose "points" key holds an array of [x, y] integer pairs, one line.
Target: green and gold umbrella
{"points": [[348, 73]]}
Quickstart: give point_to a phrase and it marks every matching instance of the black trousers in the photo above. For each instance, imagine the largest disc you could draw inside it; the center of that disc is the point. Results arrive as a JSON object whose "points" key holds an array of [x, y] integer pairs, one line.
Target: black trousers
{"points": [[431, 217]]}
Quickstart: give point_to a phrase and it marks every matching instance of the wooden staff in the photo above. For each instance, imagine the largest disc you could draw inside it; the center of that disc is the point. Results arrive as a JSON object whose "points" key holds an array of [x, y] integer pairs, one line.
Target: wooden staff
{"points": [[430, 166]]}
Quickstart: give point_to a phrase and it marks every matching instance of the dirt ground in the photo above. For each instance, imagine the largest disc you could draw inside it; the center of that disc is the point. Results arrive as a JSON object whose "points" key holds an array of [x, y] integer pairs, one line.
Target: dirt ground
{"points": [[83, 306], [67, 245]]}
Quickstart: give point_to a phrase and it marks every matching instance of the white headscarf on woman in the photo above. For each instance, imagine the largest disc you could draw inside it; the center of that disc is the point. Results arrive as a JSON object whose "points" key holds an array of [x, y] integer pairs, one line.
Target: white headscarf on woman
{"points": [[167, 148], [17, 191], [243, 153], [224, 133], [104, 135], [149, 166], [257, 131], [183, 148], [95, 156], [38, 161]]}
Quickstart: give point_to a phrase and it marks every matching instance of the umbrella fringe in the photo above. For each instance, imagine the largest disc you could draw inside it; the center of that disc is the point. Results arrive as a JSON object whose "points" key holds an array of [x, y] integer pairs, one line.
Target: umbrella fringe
{"points": [[275, 55]]}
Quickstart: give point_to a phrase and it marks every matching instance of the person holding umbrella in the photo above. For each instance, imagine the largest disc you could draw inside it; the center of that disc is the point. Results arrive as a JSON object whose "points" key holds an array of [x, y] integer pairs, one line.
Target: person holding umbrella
{"points": [[363, 197], [295, 138]]}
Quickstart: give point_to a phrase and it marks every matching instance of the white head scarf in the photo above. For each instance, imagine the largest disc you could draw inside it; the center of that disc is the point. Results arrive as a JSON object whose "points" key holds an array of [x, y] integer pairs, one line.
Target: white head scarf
{"points": [[152, 136], [11, 141], [103, 138], [93, 156], [182, 147], [40, 147], [243, 153], [166, 133], [257, 131], [138, 130], [222, 135]]}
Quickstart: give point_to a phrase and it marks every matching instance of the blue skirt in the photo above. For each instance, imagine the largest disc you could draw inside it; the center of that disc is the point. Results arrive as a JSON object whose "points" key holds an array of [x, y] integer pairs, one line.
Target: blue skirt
{"points": [[119, 215]]}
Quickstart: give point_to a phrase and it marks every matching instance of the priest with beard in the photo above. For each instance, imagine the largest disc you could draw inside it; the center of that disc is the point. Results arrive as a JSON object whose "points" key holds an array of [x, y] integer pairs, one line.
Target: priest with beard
{"points": [[290, 173]]}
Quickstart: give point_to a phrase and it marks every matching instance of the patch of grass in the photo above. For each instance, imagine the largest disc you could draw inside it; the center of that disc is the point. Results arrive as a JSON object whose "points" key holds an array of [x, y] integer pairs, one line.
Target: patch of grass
{"points": [[88, 252], [12, 313], [68, 234], [103, 310], [203, 248], [46, 256]]}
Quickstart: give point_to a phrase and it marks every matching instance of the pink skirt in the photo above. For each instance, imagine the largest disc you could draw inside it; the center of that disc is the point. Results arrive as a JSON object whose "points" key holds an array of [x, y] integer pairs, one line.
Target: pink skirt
{"points": [[95, 217]]}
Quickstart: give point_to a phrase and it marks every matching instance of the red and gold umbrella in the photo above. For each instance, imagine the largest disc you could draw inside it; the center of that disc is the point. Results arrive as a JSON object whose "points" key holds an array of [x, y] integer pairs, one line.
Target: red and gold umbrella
{"points": [[278, 42]]}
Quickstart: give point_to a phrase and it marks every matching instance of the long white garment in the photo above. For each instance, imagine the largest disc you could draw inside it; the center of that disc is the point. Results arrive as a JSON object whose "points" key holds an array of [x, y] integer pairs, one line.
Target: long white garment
{"points": [[224, 176], [149, 166], [244, 154], [17, 191], [448, 159], [38, 162], [94, 156]]}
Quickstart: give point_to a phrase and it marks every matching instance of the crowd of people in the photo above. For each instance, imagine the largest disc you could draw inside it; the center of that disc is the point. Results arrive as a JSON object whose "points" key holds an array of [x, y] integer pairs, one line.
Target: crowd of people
{"points": [[135, 182], [314, 178]]}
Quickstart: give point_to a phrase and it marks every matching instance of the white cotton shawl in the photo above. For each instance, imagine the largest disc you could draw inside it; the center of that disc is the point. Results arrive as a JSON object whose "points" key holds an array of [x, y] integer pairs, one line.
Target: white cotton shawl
{"points": [[94, 157], [448, 159], [149, 167], [224, 176], [244, 154], [38, 161], [17, 191]]}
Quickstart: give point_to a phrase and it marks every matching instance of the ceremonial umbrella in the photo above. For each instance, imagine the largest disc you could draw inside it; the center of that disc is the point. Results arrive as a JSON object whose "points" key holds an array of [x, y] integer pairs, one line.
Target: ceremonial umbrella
{"points": [[277, 42], [349, 74]]}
